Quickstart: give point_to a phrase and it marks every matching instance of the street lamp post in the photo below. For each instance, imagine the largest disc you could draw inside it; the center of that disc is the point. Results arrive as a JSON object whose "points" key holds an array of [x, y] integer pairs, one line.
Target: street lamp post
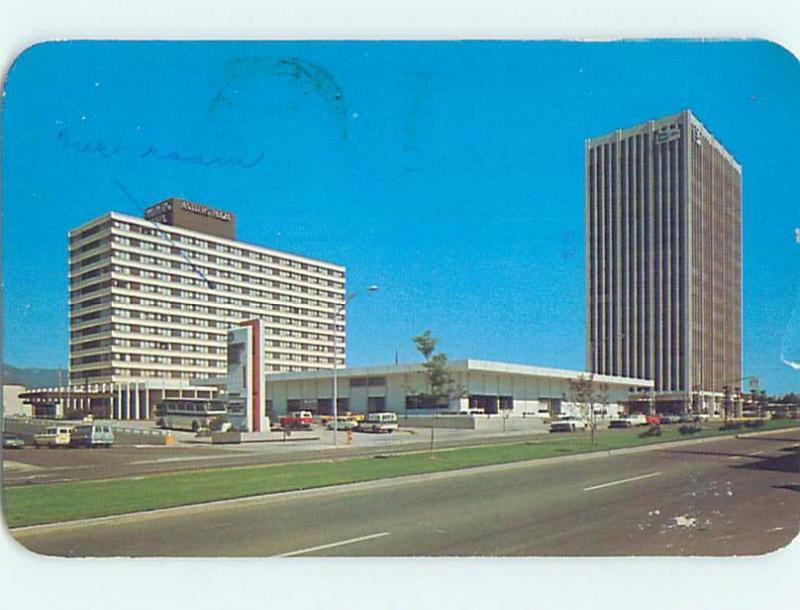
{"points": [[339, 310]]}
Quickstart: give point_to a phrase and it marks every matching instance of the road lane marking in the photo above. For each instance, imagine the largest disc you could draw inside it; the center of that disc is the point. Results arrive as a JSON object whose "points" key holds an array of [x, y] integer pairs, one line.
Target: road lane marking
{"points": [[754, 454], [333, 544], [621, 481]]}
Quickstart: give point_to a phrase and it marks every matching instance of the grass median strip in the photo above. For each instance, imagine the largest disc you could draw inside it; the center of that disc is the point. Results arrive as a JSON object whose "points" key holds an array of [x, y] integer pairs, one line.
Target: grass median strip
{"points": [[38, 504]]}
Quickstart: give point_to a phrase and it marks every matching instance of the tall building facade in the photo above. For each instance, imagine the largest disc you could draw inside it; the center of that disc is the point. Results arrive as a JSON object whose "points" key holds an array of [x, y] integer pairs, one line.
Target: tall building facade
{"points": [[664, 260], [153, 298]]}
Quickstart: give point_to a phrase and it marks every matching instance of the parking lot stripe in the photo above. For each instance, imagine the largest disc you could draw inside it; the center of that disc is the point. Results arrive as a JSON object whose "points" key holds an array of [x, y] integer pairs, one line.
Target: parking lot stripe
{"points": [[333, 544], [621, 481]]}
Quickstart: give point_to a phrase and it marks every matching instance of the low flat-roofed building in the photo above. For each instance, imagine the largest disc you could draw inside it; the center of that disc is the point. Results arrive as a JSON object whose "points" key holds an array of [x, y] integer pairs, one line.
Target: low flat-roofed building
{"points": [[12, 403], [490, 387]]}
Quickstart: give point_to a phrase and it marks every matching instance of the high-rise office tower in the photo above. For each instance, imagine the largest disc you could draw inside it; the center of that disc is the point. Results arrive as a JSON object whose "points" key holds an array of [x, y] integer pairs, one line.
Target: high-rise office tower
{"points": [[664, 260]]}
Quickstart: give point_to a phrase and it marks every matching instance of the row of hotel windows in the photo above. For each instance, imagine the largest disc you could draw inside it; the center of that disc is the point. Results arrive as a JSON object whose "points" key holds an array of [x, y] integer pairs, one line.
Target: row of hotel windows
{"points": [[214, 311], [185, 334], [148, 358], [105, 373], [190, 266], [209, 272], [204, 335], [197, 349], [174, 347], [167, 305], [187, 321], [188, 294], [205, 281], [220, 247], [278, 364], [221, 298], [258, 277], [176, 238]]}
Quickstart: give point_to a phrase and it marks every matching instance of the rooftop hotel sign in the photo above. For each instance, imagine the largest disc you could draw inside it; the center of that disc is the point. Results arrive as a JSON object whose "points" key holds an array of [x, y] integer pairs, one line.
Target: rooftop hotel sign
{"points": [[207, 211], [195, 216]]}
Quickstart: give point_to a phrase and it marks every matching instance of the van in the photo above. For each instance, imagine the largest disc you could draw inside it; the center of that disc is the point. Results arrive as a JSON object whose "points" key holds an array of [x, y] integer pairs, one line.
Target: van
{"points": [[379, 422], [54, 436], [92, 435]]}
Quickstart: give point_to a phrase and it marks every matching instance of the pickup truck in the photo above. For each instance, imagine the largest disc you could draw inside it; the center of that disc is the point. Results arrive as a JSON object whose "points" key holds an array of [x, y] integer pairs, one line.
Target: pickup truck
{"points": [[297, 420]]}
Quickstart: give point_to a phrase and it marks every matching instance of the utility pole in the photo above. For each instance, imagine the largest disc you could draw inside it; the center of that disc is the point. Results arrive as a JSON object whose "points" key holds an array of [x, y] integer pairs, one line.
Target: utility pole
{"points": [[336, 313]]}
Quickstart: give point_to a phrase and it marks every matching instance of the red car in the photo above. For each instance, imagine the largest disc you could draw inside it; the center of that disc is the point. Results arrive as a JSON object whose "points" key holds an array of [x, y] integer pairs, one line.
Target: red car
{"points": [[297, 420]]}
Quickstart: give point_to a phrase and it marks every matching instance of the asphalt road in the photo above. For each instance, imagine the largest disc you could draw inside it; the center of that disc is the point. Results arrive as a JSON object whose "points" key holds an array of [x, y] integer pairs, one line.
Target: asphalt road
{"points": [[721, 497]]}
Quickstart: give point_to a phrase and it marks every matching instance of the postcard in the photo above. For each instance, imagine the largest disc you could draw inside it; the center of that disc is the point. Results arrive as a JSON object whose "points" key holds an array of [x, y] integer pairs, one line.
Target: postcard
{"points": [[401, 299]]}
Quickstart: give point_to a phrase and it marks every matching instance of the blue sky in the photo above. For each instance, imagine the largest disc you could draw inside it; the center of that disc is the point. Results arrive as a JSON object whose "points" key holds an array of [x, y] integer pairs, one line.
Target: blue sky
{"points": [[449, 173]]}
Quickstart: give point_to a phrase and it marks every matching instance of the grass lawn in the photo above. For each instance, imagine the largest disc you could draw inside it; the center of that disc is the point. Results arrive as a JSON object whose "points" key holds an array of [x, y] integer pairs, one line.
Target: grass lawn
{"points": [[79, 500]]}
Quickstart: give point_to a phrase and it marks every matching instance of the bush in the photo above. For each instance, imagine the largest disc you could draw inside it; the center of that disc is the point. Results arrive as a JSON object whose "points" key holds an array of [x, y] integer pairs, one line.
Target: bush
{"points": [[689, 429], [731, 425], [754, 423], [651, 431]]}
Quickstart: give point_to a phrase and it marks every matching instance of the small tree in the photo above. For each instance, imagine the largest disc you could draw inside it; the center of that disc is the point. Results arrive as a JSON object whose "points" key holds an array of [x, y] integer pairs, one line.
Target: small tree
{"points": [[441, 385], [585, 393]]}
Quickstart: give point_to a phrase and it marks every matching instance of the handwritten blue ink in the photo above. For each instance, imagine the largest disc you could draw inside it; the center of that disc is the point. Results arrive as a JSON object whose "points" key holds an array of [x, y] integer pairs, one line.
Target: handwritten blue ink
{"points": [[198, 159], [103, 150], [87, 147]]}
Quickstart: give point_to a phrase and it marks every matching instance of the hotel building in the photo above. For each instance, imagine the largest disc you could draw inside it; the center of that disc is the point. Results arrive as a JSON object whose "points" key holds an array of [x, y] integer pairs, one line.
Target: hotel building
{"points": [[664, 260], [151, 300]]}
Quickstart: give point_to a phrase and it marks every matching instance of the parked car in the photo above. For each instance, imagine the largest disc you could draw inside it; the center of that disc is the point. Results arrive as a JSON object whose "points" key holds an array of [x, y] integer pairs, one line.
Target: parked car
{"points": [[297, 420], [379, 422], [12, 441], [620, 422], [670, 418], [92, 435], [342, 423], [637, 419], [55, 436], [568, 425]]}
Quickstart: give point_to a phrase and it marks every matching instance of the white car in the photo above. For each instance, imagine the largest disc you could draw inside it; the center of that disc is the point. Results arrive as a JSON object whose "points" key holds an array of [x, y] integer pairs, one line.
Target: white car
{"points": [[637, 419], [342, 423], [568, 425]]}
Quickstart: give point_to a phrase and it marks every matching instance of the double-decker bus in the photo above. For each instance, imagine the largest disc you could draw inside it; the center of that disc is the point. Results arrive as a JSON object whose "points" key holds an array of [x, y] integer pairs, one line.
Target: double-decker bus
{"points": [[188, 413]]}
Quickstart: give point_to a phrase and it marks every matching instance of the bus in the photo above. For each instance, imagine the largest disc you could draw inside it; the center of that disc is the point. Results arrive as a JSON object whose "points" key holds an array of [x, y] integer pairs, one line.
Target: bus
{"points": [[188, 413]]}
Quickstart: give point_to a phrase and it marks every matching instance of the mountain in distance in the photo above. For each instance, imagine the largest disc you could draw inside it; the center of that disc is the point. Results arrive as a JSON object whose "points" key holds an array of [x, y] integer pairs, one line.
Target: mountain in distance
{"points": [[33, 377]]}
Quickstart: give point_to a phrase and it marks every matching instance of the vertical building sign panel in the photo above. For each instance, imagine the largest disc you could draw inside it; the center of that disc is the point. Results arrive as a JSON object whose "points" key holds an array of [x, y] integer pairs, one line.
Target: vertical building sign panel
{"points": [[239, 384], [246, 389]]}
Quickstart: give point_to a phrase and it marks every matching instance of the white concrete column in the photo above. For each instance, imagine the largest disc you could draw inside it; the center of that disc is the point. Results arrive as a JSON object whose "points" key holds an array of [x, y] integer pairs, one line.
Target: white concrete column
{"points": [[136, 412], [146, 401], [127, 413], [117, 406]]}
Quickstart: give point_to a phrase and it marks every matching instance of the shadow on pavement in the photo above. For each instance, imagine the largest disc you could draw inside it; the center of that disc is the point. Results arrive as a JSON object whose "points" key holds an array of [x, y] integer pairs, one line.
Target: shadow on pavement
{"points": [[790, 462], [790, 439], [787, 487]]}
